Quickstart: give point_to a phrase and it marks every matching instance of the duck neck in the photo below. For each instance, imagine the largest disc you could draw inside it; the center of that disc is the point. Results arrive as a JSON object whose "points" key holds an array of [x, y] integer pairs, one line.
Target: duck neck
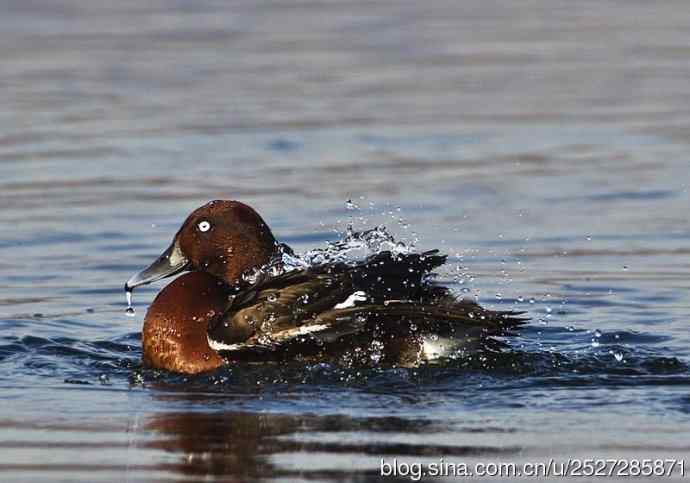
{"points": [[246, 261]]}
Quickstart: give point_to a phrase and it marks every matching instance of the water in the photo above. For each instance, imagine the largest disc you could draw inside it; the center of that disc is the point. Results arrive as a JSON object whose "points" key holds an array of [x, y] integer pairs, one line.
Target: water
{"points": [[128, 295], [543, 147]]}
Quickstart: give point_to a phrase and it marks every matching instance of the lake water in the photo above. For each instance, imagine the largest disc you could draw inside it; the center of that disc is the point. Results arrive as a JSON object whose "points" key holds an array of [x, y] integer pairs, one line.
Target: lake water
{"points": [[543, 145]]}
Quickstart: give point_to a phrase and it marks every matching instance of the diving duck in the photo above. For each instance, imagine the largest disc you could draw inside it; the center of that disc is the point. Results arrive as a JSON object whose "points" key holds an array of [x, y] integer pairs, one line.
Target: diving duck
{"points": [[238, 301]]}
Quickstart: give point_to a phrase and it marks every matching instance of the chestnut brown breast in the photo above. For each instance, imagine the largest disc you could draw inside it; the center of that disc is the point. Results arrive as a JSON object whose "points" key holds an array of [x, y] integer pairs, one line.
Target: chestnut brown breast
{"points": [[175, 328]]}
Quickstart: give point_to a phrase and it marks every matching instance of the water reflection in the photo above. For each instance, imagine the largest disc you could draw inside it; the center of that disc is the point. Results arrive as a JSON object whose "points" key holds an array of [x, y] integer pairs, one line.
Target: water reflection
{"points": [[240, 444], [220, 444]]}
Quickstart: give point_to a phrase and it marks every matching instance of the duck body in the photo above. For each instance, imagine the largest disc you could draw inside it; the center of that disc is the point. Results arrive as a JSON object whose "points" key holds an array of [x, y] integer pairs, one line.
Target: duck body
{"points": [[239, 303]]}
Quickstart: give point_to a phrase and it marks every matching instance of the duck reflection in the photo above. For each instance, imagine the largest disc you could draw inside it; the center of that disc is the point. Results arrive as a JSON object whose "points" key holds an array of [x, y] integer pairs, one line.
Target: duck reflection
{"points": [[242, 445], [239, 446], [232, 444]]}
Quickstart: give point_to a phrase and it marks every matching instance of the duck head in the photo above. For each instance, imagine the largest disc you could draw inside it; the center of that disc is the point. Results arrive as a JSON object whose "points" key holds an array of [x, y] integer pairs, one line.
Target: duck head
{"points": [[223, 238]]}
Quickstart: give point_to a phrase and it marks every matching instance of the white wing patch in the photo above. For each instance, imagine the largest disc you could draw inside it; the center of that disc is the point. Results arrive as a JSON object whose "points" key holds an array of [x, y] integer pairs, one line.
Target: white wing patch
{"points": [[358, 296], [307, 329], [277, 337], [219, 346]]}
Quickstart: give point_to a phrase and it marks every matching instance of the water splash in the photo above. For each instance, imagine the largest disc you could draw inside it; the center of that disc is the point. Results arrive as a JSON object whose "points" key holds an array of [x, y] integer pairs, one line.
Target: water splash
{"points": [[354, 247]]}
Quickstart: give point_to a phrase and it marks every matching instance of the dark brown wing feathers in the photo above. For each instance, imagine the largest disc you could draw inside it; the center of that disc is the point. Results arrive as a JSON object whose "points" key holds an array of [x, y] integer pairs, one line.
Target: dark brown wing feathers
{"points": [[301, 304]]}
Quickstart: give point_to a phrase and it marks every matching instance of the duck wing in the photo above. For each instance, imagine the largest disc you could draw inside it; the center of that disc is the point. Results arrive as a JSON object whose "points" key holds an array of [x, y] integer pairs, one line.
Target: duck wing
{"points": [[278, 308], [387, 293], [444, 317]]}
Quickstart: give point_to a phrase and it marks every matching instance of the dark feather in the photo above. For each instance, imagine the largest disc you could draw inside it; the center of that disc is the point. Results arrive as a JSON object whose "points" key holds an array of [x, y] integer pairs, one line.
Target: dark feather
{"points": [[299, 308]]}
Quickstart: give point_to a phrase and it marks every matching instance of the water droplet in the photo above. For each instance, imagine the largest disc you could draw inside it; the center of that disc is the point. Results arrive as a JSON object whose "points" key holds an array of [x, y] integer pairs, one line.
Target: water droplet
{"points": [[618, 356], [137, 378], [548, 310], [130, 309]]}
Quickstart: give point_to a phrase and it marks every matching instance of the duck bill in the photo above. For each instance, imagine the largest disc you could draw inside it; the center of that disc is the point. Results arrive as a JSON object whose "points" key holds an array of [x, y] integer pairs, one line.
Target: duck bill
{"points": [[171, 262]]}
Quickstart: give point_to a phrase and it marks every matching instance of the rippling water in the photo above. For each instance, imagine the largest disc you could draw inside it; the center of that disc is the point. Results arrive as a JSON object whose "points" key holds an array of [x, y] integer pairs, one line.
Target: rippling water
{"points": [[543, 145]]}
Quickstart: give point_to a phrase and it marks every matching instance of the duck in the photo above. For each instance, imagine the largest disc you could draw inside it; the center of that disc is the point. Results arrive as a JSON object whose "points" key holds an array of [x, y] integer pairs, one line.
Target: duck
{"points": [[235, 300]]}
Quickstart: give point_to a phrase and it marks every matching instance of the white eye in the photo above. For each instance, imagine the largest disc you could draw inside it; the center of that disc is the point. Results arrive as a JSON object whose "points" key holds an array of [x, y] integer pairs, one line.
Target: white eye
{"points": [[203, 226]]}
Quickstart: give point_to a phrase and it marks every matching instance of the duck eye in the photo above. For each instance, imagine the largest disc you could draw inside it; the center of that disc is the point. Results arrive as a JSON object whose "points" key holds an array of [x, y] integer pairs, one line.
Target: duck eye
{"points": [[203, 226]]}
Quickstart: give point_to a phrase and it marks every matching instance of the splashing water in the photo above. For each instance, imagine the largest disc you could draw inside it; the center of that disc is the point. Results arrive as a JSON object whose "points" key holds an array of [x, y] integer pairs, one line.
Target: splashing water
{"points": [[354, 247]]}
